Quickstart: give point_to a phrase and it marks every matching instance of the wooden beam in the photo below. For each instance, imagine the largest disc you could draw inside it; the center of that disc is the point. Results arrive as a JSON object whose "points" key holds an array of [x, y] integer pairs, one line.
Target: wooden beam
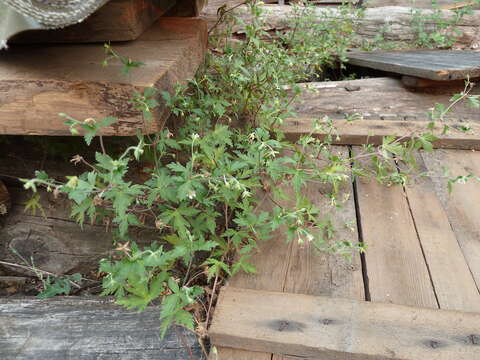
{"points": [[37, 83], [323, 327], [373, 131], [339, 99], [87, 328], [54, 241]]}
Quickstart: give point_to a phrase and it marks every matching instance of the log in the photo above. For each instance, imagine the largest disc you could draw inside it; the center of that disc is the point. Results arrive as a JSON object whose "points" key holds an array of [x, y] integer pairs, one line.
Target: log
{"points": [[118, 20], [52, 240], [34, 89], [316, 327], [88, 329], [395, 23]]}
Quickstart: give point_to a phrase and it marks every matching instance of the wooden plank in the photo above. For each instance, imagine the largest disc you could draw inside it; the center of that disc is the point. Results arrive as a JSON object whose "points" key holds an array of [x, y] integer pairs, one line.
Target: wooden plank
{"points": [[463, 204], [430, 64], [297, 268], [4, 199], [373, 131], [71, 79], [54, 241], [396, 268], [118, 20], [87, 328], [338, 99], [452, 280], [318, 327]]}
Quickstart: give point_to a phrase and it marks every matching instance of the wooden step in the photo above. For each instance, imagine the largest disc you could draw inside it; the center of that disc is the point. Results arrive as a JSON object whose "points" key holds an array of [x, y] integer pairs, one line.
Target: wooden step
{"points": [[39, 82], [87, 328], [317, 327]]}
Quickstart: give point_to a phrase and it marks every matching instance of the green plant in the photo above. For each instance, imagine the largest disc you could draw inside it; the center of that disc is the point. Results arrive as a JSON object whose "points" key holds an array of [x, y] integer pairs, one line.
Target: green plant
{"points": [[52, 284], [434, 29], [209, 177]]}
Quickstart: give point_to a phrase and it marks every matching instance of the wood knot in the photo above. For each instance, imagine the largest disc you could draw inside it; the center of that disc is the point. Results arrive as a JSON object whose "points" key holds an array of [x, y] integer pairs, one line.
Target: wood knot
{"points": [[434, 344], [286, 326], [473, 339]]}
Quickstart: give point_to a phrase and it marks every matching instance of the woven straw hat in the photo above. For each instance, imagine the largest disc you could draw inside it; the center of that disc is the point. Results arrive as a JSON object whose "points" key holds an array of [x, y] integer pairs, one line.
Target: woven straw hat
{"points": [[55, 13]]}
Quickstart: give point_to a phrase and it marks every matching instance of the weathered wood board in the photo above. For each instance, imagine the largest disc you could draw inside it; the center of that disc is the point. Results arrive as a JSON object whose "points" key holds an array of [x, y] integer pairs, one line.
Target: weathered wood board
{"points": [[430, 64], [324, 327], [54, 241], [453, 282], [4, 199], [395, 264], [297, 268], [462, 206], [380, 99], [72, 80], [373, 132], [117, 20], [89, 329]]}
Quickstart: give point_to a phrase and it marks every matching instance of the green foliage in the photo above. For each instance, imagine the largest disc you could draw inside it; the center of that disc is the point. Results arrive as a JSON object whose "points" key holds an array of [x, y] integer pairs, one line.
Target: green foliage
{"points": [[207, 182], [53, 285], [435, 30]]}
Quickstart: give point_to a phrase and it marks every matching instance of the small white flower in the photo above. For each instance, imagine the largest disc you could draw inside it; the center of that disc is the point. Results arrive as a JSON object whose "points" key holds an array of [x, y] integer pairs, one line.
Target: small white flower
{"points": [[192, 194]]}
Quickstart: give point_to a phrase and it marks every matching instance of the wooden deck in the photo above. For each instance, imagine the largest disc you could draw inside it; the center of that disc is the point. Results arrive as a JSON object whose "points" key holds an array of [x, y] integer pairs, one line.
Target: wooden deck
{"points": [[423, 248]]}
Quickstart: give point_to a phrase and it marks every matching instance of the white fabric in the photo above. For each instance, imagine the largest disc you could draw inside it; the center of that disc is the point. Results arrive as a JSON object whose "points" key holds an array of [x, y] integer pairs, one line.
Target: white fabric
{"points": [[21, 15], [11, 23]]}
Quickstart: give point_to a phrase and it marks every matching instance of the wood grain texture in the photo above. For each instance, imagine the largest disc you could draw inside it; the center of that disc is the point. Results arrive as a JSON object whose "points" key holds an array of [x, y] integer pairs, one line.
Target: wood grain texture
{"points": [[54, 241], [298, 268], [89, 329], [334, 328], [71, 79], [419, 4], [395, 22], [397, 271], [454, 286], [463, 204], [379, 99], [373, 132], [5, 203], [117, 20], [430, 64]]}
